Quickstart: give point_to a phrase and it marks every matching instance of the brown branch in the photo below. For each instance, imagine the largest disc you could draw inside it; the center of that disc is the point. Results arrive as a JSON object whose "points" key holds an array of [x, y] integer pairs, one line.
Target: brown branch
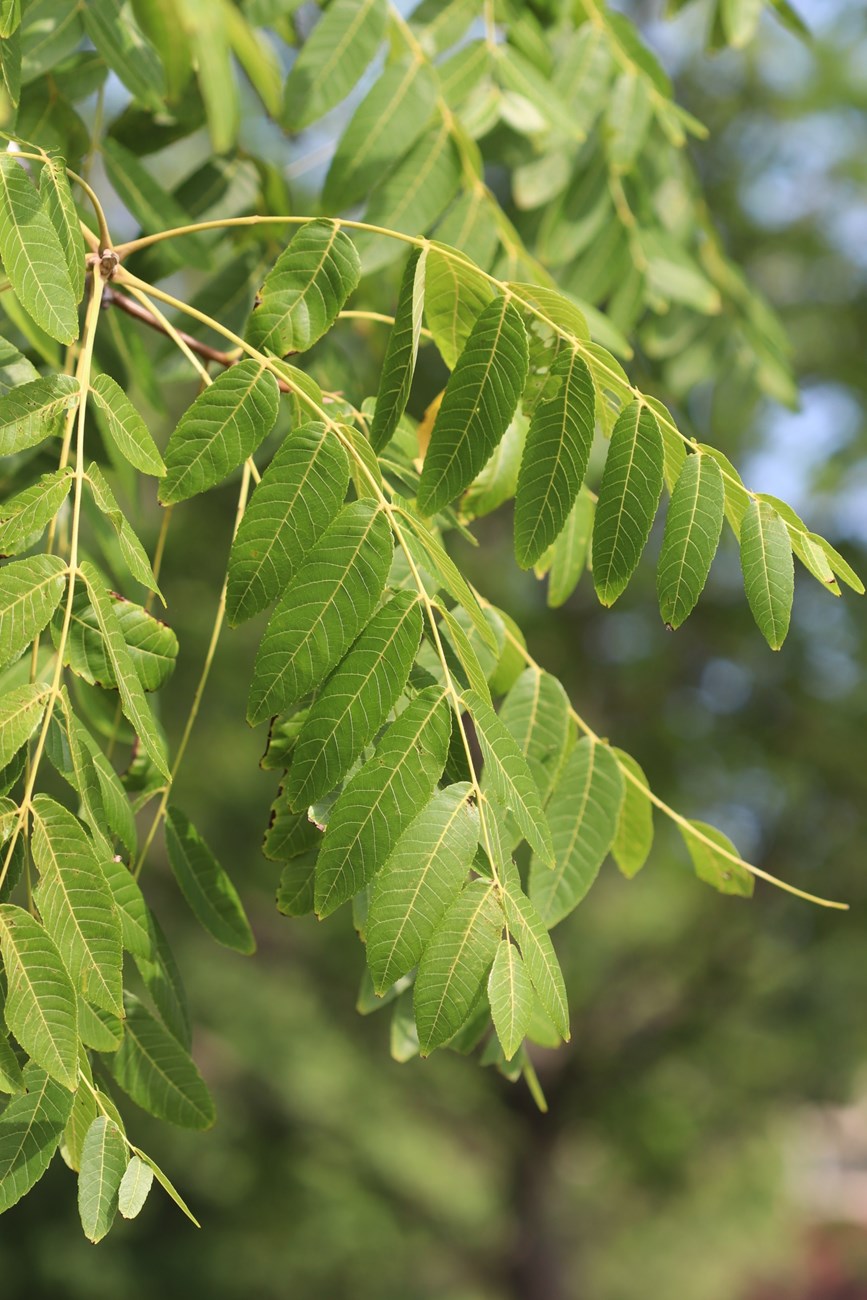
{"points": [[111, 297]]}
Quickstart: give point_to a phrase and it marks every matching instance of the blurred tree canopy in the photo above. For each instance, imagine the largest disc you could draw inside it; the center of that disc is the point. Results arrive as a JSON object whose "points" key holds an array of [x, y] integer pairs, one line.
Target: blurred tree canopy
{"points": [[703, 1027]]}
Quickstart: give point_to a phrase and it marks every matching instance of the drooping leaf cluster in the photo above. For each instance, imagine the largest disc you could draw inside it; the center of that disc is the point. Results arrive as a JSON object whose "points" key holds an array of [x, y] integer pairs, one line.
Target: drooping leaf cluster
{"points": [[429, 773]]}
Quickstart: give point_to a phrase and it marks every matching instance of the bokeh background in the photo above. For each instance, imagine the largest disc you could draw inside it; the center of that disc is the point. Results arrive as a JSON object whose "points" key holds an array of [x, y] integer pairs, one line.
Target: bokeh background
{"points": [[707, 1131]]}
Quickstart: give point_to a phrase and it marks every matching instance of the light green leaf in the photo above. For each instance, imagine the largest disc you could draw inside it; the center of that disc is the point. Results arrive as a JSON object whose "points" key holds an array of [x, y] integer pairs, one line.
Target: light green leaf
{"points": [[59, 204], [10, 17], [692, 531], [740, 19], [584, 812], [412, 197], [714, 868], [570, 551], [841, 567], [456, 293], [131, 907], [76, 904], [11, 1076], [207, 30], [126, 428], [299, 495], [536, 712], [31, 1127], [479, 402], [30, 411], [70, 747], [540, 960], [30, 591], [224, 425], [167, 1187], [24, 516], [555, 459], [628, 497], [398, 366], [737, 499], [386, 124], [323, 609], [112, 27], [304, 291], [333, 59], [151, 645], [10, 67], [421, 878], [510, 994], [33, 256], [470, 671], [41, 1005], [376, 806], [497, 481], [132, 698], [628, 118], [206, 886], [508, 777], [134, 1188], [355, 701], [634, 838], [104, 1160], [131, 549], [97, 1029], [154, 1070], [20, 714], [428, 551], [454, 964], [769, 570]]}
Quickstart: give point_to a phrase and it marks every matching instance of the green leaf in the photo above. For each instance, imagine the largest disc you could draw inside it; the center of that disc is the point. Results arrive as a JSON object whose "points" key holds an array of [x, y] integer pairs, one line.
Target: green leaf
{"points": [[112, 27], [398, 366], [30, 411], [555, 459], [135, 706], [540, 960], [11, 1076], [224, 425], [470, 671], [154, 1070], [306, 289], [76, 904], [167, 1187], [24, 516], [70, 747], [134, 1188], [692, 531], [104, 1160], [207, 30], [99, 1030], [299, 495], [296, 891], [536, 712], [634, 838], [20, 714], [841, 568], [30, 591], [628, 118], [163, 982], [456, 294], [31, 1127], [10, 67], [41, 1005], [628, 497], [134, 554], [333, 59], [421, 878], [376, 806], [126, 428], [508, 777], [206, 886], [497, 481], [323, 609], [59, 204], [769, 570], [722, 870], [290, 834], [32, 254], [386, 124], [569, 552], [584, 813], [355, 701], [510, 994], [454, 964], [479, 402]]}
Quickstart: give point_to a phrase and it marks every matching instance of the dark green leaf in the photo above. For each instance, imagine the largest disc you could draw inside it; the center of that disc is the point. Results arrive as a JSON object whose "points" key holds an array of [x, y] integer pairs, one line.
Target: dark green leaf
{"points": [[206, 886], [154, 1070], [398, 366], [628, 498]]}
